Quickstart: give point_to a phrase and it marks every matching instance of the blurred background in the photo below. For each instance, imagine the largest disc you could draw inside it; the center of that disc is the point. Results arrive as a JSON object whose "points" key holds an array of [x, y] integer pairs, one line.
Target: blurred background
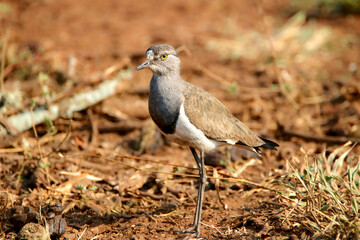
{"points": [[75, 132]]}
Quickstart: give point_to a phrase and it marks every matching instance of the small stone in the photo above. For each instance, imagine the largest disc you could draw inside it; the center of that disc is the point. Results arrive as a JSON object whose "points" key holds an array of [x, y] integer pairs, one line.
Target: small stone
{"points": [[57, 225], [33, 231]]}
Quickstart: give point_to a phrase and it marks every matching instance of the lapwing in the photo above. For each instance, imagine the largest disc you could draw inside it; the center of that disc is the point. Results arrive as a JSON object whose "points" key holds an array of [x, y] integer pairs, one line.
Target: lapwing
{"points": [[190, 116]]}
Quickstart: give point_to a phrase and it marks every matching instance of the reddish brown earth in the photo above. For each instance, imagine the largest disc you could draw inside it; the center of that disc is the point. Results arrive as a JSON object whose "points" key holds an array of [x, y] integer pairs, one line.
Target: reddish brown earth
{"points": [[139, 199]]}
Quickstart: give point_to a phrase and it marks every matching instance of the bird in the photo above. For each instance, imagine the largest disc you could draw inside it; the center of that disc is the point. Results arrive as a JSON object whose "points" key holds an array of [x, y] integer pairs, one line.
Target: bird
{"points": [[190, 116]]}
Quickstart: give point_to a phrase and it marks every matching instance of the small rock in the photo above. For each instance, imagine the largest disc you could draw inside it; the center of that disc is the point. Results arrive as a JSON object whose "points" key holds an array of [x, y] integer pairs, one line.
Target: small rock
{"points": [[215, 159], [150, 139], [33, 231], [57, 225]]}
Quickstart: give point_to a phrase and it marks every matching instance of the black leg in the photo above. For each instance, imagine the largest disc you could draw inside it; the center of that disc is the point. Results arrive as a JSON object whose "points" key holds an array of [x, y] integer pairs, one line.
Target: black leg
{"points": [[202, 172]]}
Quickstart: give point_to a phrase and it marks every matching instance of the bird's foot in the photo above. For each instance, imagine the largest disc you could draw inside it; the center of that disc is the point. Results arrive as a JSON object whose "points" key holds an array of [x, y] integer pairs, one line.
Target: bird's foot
{"points": [[194, 232], [190, 230]]}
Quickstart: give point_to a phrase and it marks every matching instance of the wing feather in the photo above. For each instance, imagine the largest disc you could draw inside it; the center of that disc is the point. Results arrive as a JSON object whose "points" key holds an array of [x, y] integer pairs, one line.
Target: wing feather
{"points": [[209, 115]]}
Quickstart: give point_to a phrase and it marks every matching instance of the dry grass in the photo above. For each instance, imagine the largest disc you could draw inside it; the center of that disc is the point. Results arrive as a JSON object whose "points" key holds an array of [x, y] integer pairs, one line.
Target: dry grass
{"points": [[324, 196]]}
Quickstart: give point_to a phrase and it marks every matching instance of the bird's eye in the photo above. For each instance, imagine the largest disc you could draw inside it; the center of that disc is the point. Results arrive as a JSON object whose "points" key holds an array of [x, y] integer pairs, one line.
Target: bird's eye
{"points": [[163, 57]]}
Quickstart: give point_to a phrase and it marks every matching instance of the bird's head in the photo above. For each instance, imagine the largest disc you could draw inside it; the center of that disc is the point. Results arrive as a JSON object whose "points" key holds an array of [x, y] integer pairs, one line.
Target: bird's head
{"points": [[161, 59]]}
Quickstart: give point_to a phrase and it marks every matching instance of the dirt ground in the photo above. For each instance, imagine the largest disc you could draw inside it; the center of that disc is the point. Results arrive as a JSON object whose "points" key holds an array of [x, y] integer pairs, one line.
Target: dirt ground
{"points": [[107, 173]]}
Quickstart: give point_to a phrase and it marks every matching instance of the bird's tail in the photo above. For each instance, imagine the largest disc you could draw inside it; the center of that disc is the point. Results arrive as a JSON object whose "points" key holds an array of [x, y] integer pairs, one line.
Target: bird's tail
{"points": [[269, 144]]}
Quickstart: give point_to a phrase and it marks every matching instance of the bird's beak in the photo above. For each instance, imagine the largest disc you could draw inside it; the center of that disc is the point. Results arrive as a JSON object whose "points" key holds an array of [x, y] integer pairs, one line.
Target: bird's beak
{"points": [[143, 65]]}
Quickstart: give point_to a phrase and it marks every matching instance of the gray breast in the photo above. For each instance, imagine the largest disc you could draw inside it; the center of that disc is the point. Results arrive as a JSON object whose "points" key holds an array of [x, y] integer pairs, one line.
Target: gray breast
{"points": [[165, 99]]}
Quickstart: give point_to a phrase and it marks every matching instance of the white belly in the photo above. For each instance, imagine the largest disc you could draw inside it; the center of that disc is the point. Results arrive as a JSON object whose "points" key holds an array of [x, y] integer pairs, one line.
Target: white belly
{"points": [[187, 134]]}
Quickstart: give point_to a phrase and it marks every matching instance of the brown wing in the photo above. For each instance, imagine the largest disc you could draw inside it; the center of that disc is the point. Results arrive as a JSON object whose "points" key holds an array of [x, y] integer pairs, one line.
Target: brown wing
{"points": [[209, 115]]}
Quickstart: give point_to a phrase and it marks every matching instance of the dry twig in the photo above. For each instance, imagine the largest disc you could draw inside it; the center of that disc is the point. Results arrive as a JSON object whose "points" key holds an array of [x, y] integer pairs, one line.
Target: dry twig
{"points": [[43, 161], [326, 139], [94, 129]]}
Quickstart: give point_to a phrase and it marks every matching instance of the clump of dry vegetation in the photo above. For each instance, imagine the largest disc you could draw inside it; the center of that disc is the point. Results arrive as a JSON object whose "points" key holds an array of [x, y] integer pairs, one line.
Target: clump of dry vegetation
{"points": [[324, 194]]}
